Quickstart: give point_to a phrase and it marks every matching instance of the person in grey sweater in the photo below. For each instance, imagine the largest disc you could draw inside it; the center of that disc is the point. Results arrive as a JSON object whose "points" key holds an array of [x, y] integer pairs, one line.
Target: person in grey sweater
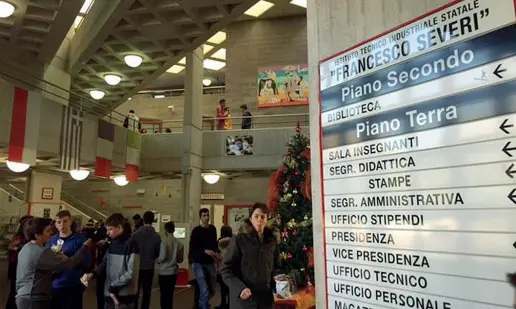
{"points": [[171, 253], [149, 243], [36, 264]]}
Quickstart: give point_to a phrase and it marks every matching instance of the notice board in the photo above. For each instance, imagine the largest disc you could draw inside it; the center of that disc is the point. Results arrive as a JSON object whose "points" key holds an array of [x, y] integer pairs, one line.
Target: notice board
{"points": [[418, 148]]}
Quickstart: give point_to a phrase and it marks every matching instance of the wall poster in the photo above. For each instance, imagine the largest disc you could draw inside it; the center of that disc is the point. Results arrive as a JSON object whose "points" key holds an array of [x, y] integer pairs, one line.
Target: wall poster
{"points": [[283, 86], [418, 171], [239, 145], [235, 214]]}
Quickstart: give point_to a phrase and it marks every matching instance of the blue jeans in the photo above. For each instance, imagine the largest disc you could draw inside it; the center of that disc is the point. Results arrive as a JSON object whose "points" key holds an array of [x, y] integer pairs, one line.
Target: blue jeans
{"points": [[206, 279]]}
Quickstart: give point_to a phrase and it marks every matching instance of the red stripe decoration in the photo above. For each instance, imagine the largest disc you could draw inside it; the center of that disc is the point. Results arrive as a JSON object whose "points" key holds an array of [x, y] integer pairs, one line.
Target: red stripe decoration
{"points": [[18, 125], [102, 167], [131, 172]]}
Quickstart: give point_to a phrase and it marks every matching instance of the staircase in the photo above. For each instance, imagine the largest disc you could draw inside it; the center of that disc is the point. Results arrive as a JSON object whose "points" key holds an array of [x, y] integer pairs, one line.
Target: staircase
{"points": [[70, 201]]}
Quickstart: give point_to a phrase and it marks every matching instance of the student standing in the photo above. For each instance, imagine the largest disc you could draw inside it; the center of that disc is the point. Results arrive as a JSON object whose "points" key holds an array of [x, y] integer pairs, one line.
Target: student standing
{"points": [[149, 243], [170, 255], [249, 263], [67, 288], [203, 254], [119, 266], [36, 263]]}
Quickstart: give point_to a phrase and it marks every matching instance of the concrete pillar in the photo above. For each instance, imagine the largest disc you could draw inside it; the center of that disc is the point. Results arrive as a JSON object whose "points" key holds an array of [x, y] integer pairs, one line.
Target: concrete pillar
{"points": [[333, 26], [43, 194], [192, 138]]}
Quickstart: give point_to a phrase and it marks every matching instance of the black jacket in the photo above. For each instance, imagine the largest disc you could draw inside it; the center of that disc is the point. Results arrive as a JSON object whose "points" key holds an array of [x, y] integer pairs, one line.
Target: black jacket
{"points": [[250, 263]]}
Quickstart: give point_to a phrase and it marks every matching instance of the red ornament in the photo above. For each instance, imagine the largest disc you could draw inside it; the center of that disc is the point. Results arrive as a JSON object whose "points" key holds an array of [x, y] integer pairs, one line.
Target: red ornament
{"points": [[297, 173], [102, 201], [305, 249], [289, 256], [294, 233]]}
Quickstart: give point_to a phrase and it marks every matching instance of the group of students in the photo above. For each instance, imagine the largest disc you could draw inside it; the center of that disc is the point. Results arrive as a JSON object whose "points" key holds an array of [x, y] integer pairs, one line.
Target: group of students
{"points": [[50, 270]]}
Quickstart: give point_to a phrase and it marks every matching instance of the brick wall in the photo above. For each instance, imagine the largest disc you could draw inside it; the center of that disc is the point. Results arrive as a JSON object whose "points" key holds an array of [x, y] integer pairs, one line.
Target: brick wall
{"points": [[262, 43]]}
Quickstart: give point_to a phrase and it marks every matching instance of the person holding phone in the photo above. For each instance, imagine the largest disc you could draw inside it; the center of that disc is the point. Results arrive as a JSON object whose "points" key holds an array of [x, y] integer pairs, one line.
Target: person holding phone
{"points": [[250, 261]]}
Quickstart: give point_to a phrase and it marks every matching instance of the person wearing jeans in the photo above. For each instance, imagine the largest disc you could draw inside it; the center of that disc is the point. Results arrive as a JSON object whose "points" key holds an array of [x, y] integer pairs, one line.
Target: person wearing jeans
{"points": [[203, 253], [171, 253]]}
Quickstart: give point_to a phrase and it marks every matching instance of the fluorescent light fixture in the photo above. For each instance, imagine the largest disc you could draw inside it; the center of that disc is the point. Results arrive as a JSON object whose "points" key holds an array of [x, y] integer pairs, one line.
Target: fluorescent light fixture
{"points": [[301, 3], [97, 94], [182, 61], [218, 38], [158, 96], [121, 181], [211, 178], [206, 82], [17, 167], [78, 21], [79, 174], [213, 64], [112, 79], [219, 54], [6, 9], [175, 69], [259, 8], [207, 48], [86, 6], [133, 61]]}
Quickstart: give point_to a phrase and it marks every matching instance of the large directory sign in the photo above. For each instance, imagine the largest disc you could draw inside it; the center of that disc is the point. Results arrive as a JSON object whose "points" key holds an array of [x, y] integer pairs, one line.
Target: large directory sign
{"points": [[418, 148]]}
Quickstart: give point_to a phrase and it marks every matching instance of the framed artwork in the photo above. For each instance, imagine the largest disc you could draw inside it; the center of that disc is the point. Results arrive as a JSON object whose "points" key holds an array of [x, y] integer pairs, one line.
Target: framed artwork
{"points": [[235, 214], [239, 145], [283, 86], [47, 193]]}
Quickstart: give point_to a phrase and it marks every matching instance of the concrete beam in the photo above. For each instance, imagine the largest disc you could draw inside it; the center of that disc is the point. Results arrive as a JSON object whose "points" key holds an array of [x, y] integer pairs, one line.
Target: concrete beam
{"points": [[21, 9], [95, 29], [65, 17]]}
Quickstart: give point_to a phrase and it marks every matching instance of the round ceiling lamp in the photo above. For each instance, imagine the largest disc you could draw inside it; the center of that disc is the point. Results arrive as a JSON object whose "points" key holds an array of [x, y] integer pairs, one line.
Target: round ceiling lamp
{"points": [[133, 61], [79, 174], [17, 167], [206, 82], [97, 94], [6, 9], [211, 178], [112, 79], [121, 180]]}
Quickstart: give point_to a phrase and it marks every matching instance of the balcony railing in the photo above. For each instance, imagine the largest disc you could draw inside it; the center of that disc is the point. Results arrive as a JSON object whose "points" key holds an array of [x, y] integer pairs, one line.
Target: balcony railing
{"points": [[211, 123]]}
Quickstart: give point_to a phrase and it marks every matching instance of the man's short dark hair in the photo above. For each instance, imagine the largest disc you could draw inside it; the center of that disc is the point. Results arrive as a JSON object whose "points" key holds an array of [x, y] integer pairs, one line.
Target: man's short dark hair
{"points": [[170, 227], [203, 211], [64, 213], [261, 206], [148, 217], [244, 106], [131, 111], [226, 231], [222, 101], [115, 220], [137, 217], [36, 226]]}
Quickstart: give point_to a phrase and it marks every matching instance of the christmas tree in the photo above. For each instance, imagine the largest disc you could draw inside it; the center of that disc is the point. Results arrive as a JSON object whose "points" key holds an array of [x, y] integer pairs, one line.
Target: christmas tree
{"points": [[290, 196]]}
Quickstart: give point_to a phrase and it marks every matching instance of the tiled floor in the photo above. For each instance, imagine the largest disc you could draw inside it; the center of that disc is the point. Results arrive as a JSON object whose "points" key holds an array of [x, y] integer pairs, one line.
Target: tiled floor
{"points": [[183, 297]]}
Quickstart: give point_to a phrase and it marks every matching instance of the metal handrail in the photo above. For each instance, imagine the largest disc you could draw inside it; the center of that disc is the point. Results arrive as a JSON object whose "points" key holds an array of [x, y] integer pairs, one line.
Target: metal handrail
{"points": [[74, 200], [86, 104]]}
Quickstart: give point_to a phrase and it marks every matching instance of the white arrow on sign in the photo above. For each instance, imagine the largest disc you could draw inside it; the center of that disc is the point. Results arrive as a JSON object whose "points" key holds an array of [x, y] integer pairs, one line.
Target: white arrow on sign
{"points": [[493, 292], [473, 198], [477, 153], [462, 265], [454, 177], [475, 78], [390, 297], [459, 134], [478, 220], [492, 244]]}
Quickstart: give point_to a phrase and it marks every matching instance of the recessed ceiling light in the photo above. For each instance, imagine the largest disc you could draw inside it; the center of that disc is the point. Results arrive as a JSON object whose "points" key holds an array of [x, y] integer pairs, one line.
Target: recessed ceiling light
{"points": [[218, 38], [220, 54], [176, 69], [133, 61], [213, 64], [182, 61], [301, 3], [86, 6], [207, 48], [112, 79], [97, 94], [78, 21], [259, 8], [6, 9], [206, 82]]}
